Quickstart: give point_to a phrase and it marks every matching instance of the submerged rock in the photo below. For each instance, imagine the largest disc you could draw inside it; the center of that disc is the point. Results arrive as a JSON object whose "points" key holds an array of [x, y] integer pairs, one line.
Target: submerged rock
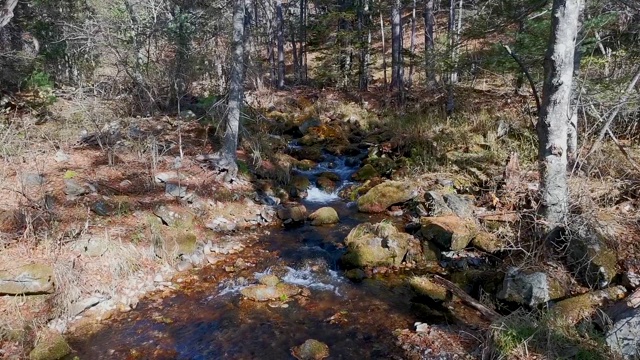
{"points": [[323, 216], [311, 350], [381, 196], [263, 292], [27, 280], [379, 245], [424, 286]]}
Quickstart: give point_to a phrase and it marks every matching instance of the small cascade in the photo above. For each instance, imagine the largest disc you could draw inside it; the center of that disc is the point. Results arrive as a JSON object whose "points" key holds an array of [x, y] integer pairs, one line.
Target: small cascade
{"points": [[342, 166]]}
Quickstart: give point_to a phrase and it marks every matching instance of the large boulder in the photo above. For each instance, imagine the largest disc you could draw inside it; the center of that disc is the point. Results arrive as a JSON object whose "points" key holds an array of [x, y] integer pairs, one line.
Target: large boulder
{"points": [[624, 336], [365, 173], [379, 245], [324, 216], [381, 196], [588, 255], [448, 232], [28, 279]]}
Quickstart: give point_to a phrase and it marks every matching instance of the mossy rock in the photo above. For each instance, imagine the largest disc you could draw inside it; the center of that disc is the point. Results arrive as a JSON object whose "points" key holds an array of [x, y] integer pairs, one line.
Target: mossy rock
{"points": [[330, 175], [313, 153], [323, 216], [326, 184], [311, 350], [430, 251], [50, 346], [269, 280], [365, 173], [382, 196], [584, 306], [383, 165], [589, 255], [488, 242], [379, 244], [423, 285], [176, 244], [263, 292], [306, 164], [300, 183]]}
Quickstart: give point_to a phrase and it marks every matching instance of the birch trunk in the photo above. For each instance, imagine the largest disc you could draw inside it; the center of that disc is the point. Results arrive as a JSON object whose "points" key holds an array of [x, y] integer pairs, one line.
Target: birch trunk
{"points": [[384, 51], [572, 140], [236, 93], [396, 47], [429, 24], [412, 44], [6, 13], [555, 113], [280, 43]]}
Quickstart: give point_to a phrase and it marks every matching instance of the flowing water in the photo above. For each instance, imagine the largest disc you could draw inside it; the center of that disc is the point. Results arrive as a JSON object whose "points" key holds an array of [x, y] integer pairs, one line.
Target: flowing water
{"points": [[208, 319]]}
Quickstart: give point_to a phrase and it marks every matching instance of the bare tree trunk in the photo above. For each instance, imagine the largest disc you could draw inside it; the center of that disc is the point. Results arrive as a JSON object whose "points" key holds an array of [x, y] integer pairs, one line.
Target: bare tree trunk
{"points": [[453, 75], [6, 13], [384, 51], [556, 112], [236, 93], [572, 140], [396, 47], [303, 39], [346, 51], [294, 47], [429, 24], [412, 46], [280, 42]]}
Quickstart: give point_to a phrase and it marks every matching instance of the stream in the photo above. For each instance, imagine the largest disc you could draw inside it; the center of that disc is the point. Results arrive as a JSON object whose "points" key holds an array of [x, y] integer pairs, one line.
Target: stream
{"points": [[207, 318]]}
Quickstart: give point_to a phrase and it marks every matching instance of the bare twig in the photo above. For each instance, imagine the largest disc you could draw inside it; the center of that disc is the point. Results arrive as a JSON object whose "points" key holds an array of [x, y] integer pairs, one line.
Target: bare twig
{"points": [[612, 116], [526, 73]]}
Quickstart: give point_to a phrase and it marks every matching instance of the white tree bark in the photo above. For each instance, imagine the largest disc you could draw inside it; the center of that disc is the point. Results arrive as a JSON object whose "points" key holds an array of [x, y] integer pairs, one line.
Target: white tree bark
{"points": [[236, 94], [572, 140], [555, 112], [396, 46], [280, 43], [6, 13], [429, 24]]}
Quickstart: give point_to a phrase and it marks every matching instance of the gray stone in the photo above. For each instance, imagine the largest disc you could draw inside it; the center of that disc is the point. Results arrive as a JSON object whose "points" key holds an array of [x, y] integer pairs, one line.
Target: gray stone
{"points": [[101, 208], [92, 246], [525, 288], [184, 266], [175, 190], [174, 216], [27, 280], [164, 177], [61, 157], [73, 188], [436, 206], [80, 306], [50, 346], [31, 179], [460, 205], [269, 280], [624, 335], [631, 279]]}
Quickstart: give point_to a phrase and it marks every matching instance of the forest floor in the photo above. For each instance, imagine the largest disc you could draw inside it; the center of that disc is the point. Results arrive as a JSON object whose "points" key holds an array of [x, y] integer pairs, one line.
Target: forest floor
{"points": [[85, 194]]}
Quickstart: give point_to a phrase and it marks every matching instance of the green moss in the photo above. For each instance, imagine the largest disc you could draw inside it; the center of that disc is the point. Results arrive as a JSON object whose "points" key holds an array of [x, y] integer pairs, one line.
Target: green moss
{"points": [[366, 172], [52, 347]]}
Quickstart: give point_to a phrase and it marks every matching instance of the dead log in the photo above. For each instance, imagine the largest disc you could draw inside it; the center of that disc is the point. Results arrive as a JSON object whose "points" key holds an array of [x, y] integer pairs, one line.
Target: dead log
{"points": [[485, 311]]}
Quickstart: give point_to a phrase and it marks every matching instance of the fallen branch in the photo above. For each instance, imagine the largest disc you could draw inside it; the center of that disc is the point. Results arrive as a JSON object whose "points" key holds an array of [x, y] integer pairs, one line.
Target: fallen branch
{"points": [[485, 311]]}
